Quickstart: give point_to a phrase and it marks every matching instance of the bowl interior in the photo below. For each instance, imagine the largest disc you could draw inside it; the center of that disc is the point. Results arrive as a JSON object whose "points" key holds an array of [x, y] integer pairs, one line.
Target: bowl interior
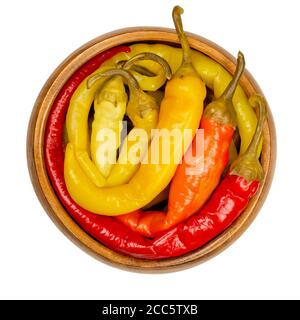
{"points": [[48, 197]]}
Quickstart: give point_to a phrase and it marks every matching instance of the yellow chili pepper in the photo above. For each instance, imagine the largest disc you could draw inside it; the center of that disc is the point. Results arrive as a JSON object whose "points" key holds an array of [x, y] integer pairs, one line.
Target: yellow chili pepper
{"points": [[180, 109], [142, 109], [110, 107], [77, 122]]}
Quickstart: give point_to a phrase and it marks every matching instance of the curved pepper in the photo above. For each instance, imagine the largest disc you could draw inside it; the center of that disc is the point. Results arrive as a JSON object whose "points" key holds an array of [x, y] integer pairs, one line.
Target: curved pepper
{"points": [[110, 107], [194, 181], [180, 109]]}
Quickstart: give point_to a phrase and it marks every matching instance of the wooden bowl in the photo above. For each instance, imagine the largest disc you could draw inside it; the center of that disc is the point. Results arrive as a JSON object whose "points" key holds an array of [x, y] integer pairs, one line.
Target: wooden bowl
{"points": [[47, 196]]}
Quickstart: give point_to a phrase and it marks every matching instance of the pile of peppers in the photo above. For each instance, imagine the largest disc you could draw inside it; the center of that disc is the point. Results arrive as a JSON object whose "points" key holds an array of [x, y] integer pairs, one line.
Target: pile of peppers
{"points": [[154, 86]]}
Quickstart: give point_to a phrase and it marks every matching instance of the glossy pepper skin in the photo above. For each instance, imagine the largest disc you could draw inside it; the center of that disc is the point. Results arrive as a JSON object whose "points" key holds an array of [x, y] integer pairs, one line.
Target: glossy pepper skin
{"points": [[194, 181], [110, 107], [215, 76], [105, 229], [77, 118], [212, 73], [108, 116], [187, 193], [142, 109], [228, 201], [175, 242], [226, 204], [98, 221], [180, 109], [55, 124]]}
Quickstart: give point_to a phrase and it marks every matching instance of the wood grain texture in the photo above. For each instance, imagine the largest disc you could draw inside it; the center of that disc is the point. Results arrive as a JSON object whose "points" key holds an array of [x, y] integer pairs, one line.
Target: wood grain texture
{"points": [[47, 196]]}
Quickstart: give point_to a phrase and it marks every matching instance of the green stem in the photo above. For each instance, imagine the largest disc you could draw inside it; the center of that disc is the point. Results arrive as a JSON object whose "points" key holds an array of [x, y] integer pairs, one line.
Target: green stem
{"points": [[130, 79], [143, 71], [254, 101], [230, 89], [176, 14], [222, 108], [150, 56]]}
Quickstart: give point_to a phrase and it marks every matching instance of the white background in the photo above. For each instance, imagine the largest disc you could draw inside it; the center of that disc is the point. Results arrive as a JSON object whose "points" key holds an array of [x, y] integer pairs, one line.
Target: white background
{"points": [[37, 260]]}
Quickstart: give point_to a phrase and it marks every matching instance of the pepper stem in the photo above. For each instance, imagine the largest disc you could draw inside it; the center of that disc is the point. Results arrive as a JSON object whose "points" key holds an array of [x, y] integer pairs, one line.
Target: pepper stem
{"points": [[150, 56], [230, 89], [247, 165], [260, 101], [143, 71], [222, 109], [176, 14], [130, 79]]}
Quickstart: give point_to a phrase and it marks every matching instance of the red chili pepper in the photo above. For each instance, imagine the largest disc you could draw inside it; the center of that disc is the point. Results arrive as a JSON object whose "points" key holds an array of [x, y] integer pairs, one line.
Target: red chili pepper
{"points": [[226, 204], [105, 229], [228, 201]]}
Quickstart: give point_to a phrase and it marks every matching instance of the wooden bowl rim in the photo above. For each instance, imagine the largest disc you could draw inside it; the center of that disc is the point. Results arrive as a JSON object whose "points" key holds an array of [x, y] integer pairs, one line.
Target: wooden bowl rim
{"points": [[51, 203]]}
